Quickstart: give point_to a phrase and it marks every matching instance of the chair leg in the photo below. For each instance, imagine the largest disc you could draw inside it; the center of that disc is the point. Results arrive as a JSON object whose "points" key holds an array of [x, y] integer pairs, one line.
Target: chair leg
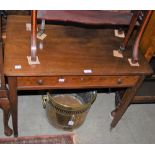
{"points": [[42, 28], [5, 105], [130, 30], [33, 36]]}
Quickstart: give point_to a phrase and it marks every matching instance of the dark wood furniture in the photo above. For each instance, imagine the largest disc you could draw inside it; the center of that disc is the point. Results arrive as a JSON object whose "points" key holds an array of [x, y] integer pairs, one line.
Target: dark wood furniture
{"points": [[71, 58], [146, 93], [98, 17], [4, 101]]}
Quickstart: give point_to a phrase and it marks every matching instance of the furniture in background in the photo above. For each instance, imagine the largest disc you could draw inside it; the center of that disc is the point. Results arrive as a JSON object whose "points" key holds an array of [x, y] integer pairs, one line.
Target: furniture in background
{"points": [[146, 92], [4, 101], [93, 18]]}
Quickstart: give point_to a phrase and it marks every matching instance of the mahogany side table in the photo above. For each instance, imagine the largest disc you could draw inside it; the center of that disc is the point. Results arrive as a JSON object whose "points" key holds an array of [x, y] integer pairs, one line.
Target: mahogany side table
{"points": [[70, 58]]}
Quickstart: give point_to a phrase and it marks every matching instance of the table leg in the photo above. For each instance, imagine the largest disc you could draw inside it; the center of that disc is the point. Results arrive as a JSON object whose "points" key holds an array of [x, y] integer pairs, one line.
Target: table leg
{"points": [[12, 81], [125, 102], [5, 105]]}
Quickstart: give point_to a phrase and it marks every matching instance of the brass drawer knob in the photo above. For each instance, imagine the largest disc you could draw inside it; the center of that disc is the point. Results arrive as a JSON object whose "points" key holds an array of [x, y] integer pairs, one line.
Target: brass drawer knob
{"points": [[40, 82], [119, 81]]}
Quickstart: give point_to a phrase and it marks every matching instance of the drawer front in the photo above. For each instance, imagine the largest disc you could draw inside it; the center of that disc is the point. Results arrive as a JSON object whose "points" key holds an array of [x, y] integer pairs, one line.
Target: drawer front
{"points": [[58, 82]]}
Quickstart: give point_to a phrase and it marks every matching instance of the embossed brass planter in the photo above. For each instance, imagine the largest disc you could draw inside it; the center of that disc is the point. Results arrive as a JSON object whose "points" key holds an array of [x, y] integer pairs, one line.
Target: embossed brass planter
{"points": [[68, 110]]}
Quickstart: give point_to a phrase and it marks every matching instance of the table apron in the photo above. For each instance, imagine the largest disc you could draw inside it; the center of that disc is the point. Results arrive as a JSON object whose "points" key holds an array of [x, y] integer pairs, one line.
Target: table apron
{"points": [[74, 82]]}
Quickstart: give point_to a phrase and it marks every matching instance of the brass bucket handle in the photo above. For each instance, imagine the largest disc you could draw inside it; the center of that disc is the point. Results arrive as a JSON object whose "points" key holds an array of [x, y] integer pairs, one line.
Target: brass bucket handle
{"points": [[45, 100]]}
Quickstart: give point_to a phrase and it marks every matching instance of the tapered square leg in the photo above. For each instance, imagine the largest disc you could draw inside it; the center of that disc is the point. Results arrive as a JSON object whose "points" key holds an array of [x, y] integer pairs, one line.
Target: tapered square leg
{"points": [[125, 102], [12, 81]]}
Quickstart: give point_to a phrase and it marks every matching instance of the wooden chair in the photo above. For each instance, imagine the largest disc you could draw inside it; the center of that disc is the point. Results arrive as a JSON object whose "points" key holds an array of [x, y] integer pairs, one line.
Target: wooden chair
{"points": [[93, 18], [147, 47], [4, 101], [146, 93]]}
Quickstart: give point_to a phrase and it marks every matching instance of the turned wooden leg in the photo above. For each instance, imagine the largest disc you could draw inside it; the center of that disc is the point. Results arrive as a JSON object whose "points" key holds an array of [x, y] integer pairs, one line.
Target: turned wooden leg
{"points": [[6, 115], [14, 104], [5, 105], [4, 101], [126, 100]]}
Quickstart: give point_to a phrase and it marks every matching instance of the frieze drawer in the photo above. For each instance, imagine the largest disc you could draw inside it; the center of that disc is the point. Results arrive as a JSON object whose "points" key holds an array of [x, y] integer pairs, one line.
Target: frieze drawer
{"points": [[58, 82]]}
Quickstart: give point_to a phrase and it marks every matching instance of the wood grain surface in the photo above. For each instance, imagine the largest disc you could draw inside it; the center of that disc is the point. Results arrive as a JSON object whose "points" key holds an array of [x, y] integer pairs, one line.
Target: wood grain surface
{"points": [[67, 50]]}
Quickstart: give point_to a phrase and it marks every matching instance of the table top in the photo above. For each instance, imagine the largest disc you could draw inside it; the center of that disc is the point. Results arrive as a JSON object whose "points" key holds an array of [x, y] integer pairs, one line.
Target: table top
{"points": [[67, 50]]}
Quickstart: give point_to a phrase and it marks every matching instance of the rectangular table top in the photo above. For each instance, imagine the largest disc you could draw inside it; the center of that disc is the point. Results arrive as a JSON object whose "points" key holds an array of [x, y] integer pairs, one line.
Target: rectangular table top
{"points": [[67, 50]]}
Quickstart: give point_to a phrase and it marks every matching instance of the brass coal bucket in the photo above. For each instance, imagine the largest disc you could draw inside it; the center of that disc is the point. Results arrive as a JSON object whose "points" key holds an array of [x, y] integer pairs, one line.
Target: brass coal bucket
{"points": [[68, 110]]}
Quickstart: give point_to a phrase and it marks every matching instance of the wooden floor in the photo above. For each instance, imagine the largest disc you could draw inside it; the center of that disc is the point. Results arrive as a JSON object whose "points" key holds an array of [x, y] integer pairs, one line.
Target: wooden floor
{"points": [[67, 50]]}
